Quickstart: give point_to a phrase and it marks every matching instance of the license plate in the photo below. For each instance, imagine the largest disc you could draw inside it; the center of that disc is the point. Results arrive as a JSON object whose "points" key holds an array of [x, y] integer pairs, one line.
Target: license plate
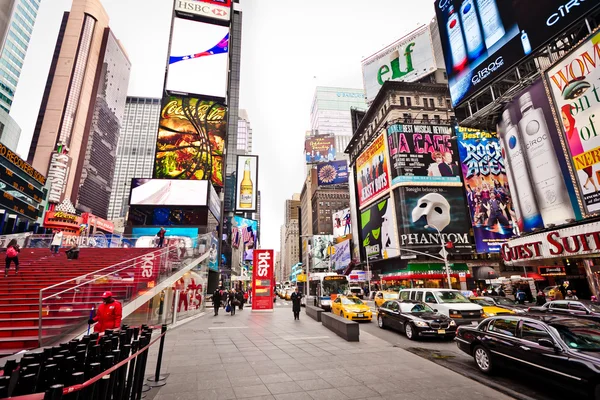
{"points": [[441, 331], [360, 315]]}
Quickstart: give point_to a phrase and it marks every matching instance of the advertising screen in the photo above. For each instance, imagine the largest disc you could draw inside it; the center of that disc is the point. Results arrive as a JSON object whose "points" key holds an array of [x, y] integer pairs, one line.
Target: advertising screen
{"points": [[262, 280], [214, 203], [320, 149], [332, 173], [342, 224], [493, 218], [422, 153], [219, 11], [198, 63], [426, 213], [189, 236], [16, 182], [482, 39], [407, 59], [573, 83], [378, 233], [247, 183], [190, 143], [11, 201], [19, 163], [168, 192], [341, 255], [372, 175], [538, 175], [213, 254], [322, 248]]}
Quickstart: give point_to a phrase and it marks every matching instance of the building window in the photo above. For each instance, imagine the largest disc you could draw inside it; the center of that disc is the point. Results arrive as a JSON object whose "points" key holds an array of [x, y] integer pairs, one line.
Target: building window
{"points": [[408, 101], [407, 118], [436, 119], [426, 117], [448, 103], [402, 101]]}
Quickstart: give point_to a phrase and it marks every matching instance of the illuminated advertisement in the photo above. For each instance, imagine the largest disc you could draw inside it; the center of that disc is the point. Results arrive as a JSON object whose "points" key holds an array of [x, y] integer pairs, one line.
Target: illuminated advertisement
{"points": [[482, 39], [10, 200], [493, 218], [191, 140], [208, 9], [372, 175], [214, 203], [168, 192], [538, 174], [247, 183], [213, 254], [378, 233], [21, 164], [97, 223], [322, 248], [262, 280], [332, 173], [171, 236], [340, 259], [58, 172], [342, 224], [572, 82], [422, 153], [320, 149], [198, 63]]}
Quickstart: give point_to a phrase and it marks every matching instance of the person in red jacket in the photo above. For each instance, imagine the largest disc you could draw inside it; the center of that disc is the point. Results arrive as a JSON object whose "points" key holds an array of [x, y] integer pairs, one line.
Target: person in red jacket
{"points": [[108, 315]]}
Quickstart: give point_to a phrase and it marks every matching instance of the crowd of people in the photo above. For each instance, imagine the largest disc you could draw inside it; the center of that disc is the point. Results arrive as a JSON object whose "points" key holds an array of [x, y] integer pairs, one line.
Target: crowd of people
{"points": [[229, 299]]}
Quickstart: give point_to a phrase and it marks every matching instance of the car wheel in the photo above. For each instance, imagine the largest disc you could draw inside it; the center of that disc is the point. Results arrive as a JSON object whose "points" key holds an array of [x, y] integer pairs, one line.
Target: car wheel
{"points": [[483, 359], [380, 322], [410, 331]]}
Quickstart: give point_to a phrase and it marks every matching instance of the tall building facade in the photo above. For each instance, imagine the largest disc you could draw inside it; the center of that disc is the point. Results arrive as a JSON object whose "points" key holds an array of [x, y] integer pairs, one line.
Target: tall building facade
{"points": [[244, 136], [233, 116], [135, 151]]}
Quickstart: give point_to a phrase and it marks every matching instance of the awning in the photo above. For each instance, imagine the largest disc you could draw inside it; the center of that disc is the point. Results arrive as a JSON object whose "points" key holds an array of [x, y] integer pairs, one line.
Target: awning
{"points": [[428, 271], [535, 276], [484, 273]]}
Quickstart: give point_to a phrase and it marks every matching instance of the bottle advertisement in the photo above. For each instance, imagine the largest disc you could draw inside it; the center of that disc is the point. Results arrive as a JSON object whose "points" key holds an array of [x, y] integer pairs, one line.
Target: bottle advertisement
{"points": [[481, 39], [574, 83], [247, 183], [539, 176]]}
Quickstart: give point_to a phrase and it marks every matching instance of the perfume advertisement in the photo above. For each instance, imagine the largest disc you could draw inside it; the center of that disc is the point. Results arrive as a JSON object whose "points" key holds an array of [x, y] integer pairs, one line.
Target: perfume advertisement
{"points": [[542, 193], [482, 39], [574, 83], [378, 231]]}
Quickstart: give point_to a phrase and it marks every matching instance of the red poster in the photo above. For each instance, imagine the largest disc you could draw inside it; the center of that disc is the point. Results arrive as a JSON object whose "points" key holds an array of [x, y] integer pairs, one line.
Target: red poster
{"points": [[262, 280]]}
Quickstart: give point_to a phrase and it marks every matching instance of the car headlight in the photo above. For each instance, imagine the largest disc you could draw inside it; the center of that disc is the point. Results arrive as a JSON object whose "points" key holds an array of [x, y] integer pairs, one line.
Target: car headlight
{"points": [[421, 324], [452, 323], [489, 314]]}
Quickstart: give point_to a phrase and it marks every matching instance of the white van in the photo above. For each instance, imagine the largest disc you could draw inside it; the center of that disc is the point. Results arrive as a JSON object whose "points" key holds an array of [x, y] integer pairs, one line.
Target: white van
{"points": [[449, 302]]}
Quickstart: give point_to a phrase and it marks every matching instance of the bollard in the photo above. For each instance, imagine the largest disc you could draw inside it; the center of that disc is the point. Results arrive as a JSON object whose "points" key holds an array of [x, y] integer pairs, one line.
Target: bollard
{"points": [[67, 370], [119, 391], [139, 373], [90, 392], [77, 378], [103, 387], [25, 385], [9, 367], [131, 373], [54, 392], [158, 380]]}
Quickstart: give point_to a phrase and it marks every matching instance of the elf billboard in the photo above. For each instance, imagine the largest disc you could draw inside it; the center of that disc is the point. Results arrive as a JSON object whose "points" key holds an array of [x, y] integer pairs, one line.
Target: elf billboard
{"points": [[262, 280]]}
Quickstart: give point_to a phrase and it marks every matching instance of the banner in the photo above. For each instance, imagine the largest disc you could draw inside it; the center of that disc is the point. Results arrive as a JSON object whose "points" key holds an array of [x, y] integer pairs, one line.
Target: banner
{"points": [[213, 254], [490, 203], [332, 173], [372, 174], [262, 280], [322, 248], [247, 183], [572, 82], [429, 217], [320, 149], [342, 225], [422, 153], [341, 256], [378, 233]]}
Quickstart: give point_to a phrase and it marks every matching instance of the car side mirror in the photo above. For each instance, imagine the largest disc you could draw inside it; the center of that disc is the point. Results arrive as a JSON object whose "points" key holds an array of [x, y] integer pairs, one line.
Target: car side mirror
{"points": [[547, 343], [435, 310]]}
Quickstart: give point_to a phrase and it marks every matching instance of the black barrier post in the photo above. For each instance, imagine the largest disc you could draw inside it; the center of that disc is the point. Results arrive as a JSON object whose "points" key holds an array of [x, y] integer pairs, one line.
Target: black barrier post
{"points": [[103, 387], [158, 380], [77, 378], [90, 392], [119, 391], [130, 374], [138, 382], [54, 392]]}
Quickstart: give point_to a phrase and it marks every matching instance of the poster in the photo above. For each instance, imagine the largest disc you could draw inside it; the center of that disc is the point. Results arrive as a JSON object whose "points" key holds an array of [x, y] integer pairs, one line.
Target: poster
{"points": [[340, 259], [332, 173], [493, 218], [372, 174], [430, 217], [573, 83], [422, 153], [320, 148], [378, 233], [322, 247], [213, 253], [342, 225], [262, 280], [246, 188]]}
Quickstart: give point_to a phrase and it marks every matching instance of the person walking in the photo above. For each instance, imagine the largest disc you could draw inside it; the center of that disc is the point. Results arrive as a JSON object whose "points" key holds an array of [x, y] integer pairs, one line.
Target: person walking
{"points": [[216, 299], [295, 297], [541, 298], [239, 296], [161, 237], [231, 301], [56, 242], [108, 315], [521, 296], [12, 255], [571, 296]]}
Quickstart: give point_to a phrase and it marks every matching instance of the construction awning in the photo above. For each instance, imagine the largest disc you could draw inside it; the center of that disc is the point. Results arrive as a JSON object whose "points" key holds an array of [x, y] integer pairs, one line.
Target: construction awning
{"points": [[428, 271]]}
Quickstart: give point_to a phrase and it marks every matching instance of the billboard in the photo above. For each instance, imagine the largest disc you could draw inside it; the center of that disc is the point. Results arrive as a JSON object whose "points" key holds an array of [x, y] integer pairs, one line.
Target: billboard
{"points": [[422, 153], [372, 175], [407, 59], [213, 254], [571, 82], [538, 174], [168, 192], [483, 39], [342, 224], [420, 210], [190, 143], [332, 173], [198, 62], [214, 203], [378, 232], [205, 9], [262, 280], [320, 149], [322, 248], [340, 259], [493, 218], [246, 188]]}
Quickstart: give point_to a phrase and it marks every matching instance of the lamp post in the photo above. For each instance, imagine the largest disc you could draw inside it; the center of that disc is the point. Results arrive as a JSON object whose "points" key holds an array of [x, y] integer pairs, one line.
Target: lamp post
{"points": [[444, 254]]}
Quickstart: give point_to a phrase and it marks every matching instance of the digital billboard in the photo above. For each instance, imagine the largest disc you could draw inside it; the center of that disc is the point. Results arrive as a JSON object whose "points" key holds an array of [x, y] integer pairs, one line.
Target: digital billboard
{"points": [[199, 60], [247, 183], [322, 248], [341, 257], [332, 173], [482, 39], [342, 224], [378, 233], [407, 59], [168, 192], [538, 175], [218, 11], [572, 82], [426, 213], [214, 202], [493, 218], [320, 149], [192, 233], [191, 140], [372, 175], [422, 153]]}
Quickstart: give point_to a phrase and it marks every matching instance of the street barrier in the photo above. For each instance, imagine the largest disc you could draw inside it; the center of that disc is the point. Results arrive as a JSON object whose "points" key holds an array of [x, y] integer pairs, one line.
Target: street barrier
{"points": [[349, 330], [314, 312]]}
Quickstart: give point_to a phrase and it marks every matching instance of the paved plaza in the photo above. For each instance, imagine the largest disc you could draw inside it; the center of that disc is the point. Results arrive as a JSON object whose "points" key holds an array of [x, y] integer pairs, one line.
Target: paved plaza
{"points": [[271, 356]]}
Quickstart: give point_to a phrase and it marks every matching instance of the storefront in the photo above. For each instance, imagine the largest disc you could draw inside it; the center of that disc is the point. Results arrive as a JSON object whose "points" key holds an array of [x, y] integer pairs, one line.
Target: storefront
{"points": [[430, 275]]}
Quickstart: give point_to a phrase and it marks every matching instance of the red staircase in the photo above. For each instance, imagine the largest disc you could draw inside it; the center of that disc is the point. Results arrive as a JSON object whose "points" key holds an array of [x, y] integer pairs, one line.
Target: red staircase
{"points": [[19, 294]]}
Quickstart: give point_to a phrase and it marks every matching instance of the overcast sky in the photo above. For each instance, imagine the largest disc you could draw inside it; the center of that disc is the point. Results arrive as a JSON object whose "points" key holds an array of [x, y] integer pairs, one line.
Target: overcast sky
{"points": [[288, 48]]}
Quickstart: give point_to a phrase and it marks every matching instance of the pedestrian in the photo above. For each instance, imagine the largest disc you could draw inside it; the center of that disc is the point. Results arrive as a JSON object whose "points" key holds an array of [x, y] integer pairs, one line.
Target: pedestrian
{"points": [[73, 252], [12, 255], [558, 295], [494, 293], [108, 314], [541, 298], [239, 296], [231, 301], [216, 299], [366, 291], [295, 297], [161, 237], [571, 296], [501, 292], [521, 296], [56, 242]]}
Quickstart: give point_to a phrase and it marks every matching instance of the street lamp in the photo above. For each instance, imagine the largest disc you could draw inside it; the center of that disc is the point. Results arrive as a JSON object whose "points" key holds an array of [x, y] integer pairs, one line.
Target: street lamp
{"points": [[444, 254]]}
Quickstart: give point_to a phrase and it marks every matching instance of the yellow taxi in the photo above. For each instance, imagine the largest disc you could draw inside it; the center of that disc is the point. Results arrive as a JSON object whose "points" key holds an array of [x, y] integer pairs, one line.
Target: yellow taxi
{"points": [[489, 308], [385, 295], [352, 308]]}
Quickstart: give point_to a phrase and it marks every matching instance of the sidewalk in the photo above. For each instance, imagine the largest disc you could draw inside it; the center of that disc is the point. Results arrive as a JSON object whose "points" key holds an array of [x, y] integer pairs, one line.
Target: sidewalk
{"points": [[271, 356]]}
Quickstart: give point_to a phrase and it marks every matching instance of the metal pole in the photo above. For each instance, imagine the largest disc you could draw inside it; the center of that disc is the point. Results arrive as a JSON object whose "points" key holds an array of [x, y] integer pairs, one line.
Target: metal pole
{"points": [[369, 272], [159, 380]]}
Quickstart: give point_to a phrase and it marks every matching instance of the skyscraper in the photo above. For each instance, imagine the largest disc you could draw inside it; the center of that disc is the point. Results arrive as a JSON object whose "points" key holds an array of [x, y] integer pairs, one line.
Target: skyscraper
{"points": [[235, 54], [135, 151]]}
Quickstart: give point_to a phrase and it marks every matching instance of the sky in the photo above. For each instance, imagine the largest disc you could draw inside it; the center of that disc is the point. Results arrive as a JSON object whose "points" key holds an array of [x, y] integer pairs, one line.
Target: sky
{"points": [[288, 48]]}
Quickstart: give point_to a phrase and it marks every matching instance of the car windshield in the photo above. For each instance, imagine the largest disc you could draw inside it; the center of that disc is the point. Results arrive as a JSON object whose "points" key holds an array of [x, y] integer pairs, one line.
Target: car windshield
{"points": [[450, 297], [592, 306], [334, 285], [351, 301], [503, 301], [421, 308], [579, 334], [390, 295], [482, 302]]}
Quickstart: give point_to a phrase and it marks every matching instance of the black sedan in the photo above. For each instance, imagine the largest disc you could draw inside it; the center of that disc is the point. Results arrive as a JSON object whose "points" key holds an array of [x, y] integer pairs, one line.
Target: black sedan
{"points": [[563, 350], [576, 308], [415, 319]]}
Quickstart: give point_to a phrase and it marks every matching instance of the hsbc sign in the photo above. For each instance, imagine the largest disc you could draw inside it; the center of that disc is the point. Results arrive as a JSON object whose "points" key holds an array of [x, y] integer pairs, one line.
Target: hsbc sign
{"points": [[203, 9]]}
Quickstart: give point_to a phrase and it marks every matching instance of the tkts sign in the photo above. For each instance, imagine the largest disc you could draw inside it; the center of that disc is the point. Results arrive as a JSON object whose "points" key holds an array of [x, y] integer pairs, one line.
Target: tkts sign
{"points": [[262, 280], [568, 242]]}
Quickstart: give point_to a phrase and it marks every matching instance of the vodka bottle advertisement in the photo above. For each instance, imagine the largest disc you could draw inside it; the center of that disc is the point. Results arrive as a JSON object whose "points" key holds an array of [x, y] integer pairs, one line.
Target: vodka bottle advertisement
{"points": [[470, 25], [493, 29], [459, 53]]}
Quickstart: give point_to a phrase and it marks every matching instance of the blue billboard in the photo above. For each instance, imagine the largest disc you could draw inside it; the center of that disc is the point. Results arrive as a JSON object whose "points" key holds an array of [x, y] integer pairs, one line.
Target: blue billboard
{"points": [[332, 173]]}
